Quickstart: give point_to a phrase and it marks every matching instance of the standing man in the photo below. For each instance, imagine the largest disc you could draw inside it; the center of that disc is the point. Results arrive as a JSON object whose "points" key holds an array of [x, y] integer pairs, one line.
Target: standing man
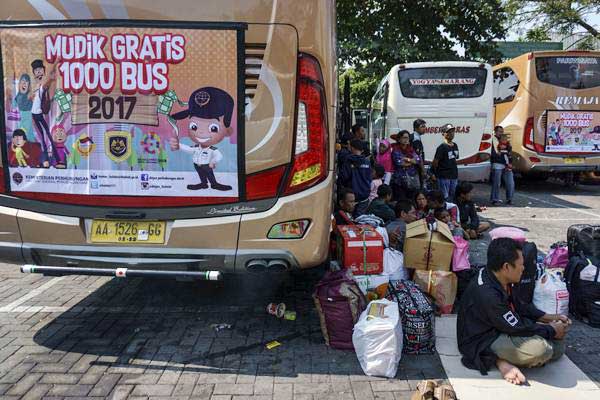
{"points": [[419, 128], [444, 163], [41, 97], [501, 159], [494, 329], [359, 132]]}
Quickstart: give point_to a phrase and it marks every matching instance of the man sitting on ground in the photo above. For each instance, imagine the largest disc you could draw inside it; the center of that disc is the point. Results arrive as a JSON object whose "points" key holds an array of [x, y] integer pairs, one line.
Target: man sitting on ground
{"points": [[345, 207], [492, 329], [405, 214], [380, 207]]}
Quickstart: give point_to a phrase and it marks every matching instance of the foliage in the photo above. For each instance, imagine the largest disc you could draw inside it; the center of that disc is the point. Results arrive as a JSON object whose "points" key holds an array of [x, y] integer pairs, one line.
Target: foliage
{"points": [[537, 34], [562, 16], [362, 87], [374, 35]]}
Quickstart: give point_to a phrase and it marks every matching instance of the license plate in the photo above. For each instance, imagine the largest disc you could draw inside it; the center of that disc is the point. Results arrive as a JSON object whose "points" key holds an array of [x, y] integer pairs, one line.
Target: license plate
{"points": [[128, 232], [574, 160]]}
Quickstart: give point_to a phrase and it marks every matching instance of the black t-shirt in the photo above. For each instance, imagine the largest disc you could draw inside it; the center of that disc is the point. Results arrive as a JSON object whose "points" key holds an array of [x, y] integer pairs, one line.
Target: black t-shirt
{"points": [[446, 157]]}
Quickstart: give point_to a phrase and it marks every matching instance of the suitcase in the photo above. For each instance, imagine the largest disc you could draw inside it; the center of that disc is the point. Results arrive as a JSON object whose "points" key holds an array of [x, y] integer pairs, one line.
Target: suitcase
{"points": [[584, 238], [523, 291], [583, 293]]}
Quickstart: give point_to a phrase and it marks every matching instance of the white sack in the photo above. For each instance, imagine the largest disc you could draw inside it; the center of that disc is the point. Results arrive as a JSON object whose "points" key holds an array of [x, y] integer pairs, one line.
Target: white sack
{"points": [[393, 264], [377, 338]]}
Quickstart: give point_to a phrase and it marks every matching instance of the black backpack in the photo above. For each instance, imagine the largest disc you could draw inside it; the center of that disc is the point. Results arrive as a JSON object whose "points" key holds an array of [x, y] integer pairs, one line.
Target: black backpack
{"points": [[582, 293], [584, 238], [523, 291]]}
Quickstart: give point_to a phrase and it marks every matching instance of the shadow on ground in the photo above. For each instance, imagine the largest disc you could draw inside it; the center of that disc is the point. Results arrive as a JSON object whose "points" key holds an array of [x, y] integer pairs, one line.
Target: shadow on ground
{"points": [[143, 325]]}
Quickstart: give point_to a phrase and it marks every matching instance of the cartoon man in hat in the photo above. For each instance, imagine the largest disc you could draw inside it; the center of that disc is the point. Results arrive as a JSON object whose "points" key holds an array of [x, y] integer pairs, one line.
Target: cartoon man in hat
{"points": [[209, 118]]}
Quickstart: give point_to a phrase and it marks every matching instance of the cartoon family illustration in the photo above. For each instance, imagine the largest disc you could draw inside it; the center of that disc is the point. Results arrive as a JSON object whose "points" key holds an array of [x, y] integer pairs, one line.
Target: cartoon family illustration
{"points": [[38, 141], [582, 137]]}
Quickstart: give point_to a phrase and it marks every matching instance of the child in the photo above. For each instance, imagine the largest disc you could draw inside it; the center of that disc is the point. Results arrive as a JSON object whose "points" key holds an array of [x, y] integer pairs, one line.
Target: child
{"points": [[404, 211], [380, 206], [19, 138], [443, 215], [444, 163], [355, 174], [378, 173], [384, 158], [469, 219], [436, 200]]}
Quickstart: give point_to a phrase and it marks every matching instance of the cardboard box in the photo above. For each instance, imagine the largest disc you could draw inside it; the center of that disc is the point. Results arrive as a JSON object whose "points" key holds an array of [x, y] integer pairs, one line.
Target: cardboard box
{"points": [[441, 285], [352, 245], [426, 248]]}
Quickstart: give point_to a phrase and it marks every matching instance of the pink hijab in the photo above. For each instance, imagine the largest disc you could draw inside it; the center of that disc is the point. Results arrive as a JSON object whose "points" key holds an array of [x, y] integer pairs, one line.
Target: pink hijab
{"points": [[385, 159]]}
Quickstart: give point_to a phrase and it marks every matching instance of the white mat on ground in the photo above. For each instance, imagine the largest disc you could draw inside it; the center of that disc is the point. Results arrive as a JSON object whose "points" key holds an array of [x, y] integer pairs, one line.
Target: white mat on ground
{"points": [[560, 380]]}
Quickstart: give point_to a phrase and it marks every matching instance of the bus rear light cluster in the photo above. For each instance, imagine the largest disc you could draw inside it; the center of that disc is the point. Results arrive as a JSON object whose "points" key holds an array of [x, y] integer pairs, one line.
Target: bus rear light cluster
{"points": [[528, 137], [310, 163]]}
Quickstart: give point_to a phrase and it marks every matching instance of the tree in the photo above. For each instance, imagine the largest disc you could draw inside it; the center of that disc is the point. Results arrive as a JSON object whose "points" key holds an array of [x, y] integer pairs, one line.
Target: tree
{"points": [[537, 34], [362, 87], [562, 16], [374, 35]]}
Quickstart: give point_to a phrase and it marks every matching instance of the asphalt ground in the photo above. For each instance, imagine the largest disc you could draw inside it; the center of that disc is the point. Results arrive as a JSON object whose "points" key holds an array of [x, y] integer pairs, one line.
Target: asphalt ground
{"points": [[97, 337]]}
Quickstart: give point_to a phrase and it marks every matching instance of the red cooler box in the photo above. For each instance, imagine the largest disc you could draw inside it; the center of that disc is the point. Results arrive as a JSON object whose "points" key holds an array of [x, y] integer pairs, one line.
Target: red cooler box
{"points": [[353, 242]]}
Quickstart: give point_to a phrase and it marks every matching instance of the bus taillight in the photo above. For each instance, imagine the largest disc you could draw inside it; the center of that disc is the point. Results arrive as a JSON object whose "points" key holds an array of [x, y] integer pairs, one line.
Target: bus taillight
{"points": [[309, 164], [528, 137]]}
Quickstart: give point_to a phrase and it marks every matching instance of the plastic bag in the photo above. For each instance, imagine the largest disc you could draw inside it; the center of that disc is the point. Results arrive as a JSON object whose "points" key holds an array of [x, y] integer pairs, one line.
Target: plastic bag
{"points": [[557, 257], [551, 295], [393, 264], [377, 339], [460, 255]]}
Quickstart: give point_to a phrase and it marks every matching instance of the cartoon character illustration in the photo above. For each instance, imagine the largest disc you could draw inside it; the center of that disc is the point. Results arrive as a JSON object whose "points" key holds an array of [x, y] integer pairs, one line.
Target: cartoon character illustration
{"points": [[18, 141], [24, 104], [41, 106], [59, 137], [596, 138], [209, 118]]}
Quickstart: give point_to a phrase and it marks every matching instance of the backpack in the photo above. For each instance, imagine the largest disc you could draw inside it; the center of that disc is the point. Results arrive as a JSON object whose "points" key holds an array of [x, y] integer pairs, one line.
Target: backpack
{"points": [[417, 315], [339, 303], [584, 238], [523, 291], [582, 293], [46, 101]]}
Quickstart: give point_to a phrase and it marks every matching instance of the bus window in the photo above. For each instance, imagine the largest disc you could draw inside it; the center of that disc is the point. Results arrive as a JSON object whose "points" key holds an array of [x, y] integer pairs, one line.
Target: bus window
{"points": [[569, 72], [442, 82], [506, 84]]}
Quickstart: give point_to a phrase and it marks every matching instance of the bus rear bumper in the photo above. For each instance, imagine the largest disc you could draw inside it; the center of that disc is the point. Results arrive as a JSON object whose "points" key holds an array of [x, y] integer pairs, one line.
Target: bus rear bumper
{"points": [[474, 172], [564, 168]]}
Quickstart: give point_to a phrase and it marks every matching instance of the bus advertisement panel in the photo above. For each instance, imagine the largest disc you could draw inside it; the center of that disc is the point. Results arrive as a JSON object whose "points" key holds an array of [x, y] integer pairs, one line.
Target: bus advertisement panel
{"points": [[129, 111], [571, 131]]}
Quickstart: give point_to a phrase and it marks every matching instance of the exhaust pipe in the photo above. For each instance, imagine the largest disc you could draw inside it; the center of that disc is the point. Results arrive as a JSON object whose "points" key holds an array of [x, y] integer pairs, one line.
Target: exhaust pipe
{"points": [[278, 265], [257, 266]]}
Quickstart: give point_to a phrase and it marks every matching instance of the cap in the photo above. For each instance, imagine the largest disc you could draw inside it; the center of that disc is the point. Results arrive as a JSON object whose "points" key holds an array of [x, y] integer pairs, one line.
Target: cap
{"points": [[208, 102], [447, 128]]}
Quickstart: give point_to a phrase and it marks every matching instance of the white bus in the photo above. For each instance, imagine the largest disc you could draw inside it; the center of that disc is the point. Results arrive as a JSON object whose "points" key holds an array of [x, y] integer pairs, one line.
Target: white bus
{"points": [[456, 92]]}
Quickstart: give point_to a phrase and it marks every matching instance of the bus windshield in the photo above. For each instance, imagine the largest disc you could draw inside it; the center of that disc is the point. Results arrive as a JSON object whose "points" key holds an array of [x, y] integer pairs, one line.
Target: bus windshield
{"points": [[568, 71], [442, 82]]}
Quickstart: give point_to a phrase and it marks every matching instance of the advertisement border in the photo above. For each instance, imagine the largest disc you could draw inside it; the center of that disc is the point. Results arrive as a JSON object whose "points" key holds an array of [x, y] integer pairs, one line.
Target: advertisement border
{"points": [[239, 27], [565, 153]]}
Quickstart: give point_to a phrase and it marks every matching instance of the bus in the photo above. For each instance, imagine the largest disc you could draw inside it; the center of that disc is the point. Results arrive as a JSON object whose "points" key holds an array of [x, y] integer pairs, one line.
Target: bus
{"points": [[169, 141], [456, 92], [548, 104]]}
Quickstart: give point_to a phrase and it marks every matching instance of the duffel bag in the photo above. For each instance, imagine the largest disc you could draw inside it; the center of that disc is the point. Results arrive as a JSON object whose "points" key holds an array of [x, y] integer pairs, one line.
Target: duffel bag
{"points": [[339, 303], [584, 238], [523, 291], [417, 316]]}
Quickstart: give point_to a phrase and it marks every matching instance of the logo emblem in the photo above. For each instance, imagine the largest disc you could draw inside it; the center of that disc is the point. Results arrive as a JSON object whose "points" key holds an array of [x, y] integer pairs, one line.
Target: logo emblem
{"points": [[511, 318], [17, 178], [117, 145], [202, 98]]}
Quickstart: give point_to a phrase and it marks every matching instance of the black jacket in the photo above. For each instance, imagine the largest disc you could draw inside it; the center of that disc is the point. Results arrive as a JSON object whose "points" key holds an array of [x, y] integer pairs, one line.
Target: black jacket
{"points": [[487, 311], [381, 209], [468, 215], [355, 174]]}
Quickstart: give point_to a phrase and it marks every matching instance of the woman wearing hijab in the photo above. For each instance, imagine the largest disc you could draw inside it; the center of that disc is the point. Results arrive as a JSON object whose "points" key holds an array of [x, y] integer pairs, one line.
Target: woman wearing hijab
{"points": [[405, 180], [384, 158], [24, 105]]}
